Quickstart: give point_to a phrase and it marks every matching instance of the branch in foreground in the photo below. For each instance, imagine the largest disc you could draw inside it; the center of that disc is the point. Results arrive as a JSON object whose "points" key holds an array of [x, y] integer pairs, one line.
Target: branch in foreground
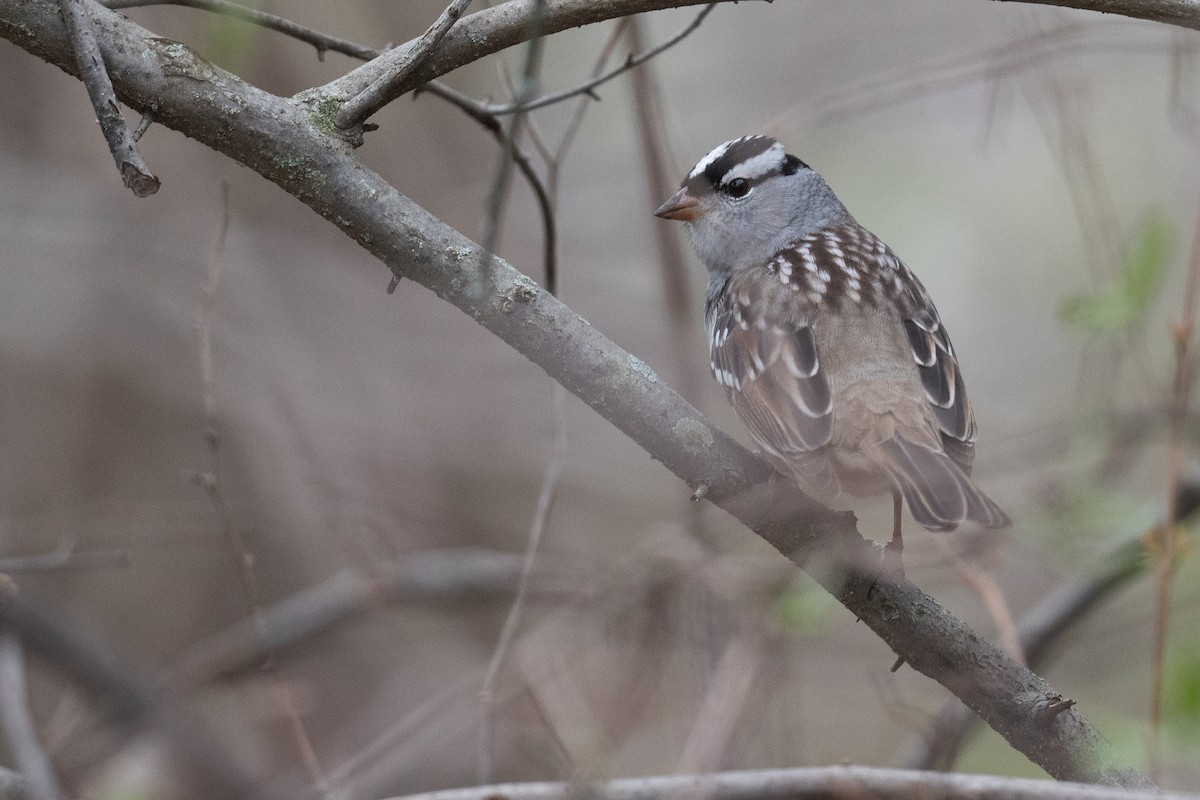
{"points": [[300, 151], [134, 171], [808, 783]]}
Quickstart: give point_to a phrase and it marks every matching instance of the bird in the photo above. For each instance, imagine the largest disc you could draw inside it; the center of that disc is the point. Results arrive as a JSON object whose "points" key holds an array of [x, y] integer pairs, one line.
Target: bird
{"points": [[828, 346]]}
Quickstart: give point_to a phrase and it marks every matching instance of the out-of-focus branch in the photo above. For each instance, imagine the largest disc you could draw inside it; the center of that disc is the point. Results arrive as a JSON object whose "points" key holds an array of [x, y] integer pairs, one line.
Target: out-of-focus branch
{"points": [[17, 722], [12, 785], [134, 171], [807, 783], [281, 139], [64, 559], [1165, 544], [435, 576], [132, 698]]}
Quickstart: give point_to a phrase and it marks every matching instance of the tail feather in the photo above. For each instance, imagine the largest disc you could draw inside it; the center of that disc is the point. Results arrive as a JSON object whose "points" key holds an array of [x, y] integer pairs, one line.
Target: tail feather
{"points": [[937, 492]]}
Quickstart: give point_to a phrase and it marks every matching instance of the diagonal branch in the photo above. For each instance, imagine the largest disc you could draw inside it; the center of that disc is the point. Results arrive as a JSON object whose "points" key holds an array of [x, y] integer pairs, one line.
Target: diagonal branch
{"points": [[134, 171], [403, 61], [588, 86], [300, 151]]}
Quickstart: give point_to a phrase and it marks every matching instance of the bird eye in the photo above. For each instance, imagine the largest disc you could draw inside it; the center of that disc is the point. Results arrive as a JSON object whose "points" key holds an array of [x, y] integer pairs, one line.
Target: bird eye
{"points": [[738, 187]]}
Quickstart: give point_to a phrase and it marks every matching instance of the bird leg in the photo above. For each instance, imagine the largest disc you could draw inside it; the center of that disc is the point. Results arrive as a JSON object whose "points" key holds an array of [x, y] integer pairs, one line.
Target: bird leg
{"points": [[893, 565]]}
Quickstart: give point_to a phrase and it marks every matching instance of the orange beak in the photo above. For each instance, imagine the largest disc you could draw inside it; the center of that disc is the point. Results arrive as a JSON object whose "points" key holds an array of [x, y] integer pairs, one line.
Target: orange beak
{"points": [[682, 206]]}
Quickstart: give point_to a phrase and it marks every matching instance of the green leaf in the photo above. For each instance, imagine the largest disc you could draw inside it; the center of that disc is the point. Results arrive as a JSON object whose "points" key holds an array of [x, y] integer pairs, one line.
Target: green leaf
{"points": [[804, 607], [1182, 690], [1123, 305]]}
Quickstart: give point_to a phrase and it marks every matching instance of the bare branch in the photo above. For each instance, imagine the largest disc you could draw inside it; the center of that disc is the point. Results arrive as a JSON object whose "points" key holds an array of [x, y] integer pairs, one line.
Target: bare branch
{"points": [[537, 529], [440, 576], [133, 169], [401, 63], [64, 559], [133, 698], [588, 87], [13, 786], [1184, 13], [488, 31], [253, 16], [17, 722], [1044, 626], [1168, 544], [807, 783]]}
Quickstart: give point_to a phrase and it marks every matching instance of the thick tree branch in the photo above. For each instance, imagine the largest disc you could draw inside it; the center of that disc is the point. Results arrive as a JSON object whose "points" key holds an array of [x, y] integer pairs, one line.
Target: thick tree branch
{"points": [[295, 145]]}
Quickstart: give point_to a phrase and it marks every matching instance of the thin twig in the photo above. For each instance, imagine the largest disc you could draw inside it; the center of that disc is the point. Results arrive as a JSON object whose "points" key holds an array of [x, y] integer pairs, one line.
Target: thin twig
{"points": [[718, 712], [65, 559], [537, 529], [673, 267], [211, 481], [133, 698], [134, 171], [405, 60], [1181, 386], [320, 41], [589, 87], [499, 190], [17, 721], [437, 576]]}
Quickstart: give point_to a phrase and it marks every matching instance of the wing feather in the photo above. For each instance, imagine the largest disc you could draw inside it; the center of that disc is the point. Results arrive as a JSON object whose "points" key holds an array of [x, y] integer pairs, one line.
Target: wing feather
{"points": [[772, 371]]}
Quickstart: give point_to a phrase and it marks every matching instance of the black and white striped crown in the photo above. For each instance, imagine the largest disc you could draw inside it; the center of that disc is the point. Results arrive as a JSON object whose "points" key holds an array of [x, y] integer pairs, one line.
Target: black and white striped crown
{"points": [[751, 158]]}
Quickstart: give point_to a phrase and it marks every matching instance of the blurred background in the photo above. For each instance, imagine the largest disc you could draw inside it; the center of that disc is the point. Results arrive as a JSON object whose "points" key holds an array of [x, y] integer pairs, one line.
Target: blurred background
{"points": [[1037, 168]]}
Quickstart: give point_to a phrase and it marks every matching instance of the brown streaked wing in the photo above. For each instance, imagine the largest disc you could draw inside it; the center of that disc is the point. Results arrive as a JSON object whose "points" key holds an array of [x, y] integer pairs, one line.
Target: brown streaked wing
{"points": [[772, 372], [943, 383]]}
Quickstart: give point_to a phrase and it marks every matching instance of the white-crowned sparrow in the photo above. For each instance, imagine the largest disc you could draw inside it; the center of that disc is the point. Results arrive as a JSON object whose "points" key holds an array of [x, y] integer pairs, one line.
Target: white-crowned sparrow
{"points": [[829, 347]]}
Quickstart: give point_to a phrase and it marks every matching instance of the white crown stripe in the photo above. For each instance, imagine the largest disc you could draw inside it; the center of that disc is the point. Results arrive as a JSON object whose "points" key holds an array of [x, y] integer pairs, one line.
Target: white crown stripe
{"points": [[766, 161], [716, 153]]}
